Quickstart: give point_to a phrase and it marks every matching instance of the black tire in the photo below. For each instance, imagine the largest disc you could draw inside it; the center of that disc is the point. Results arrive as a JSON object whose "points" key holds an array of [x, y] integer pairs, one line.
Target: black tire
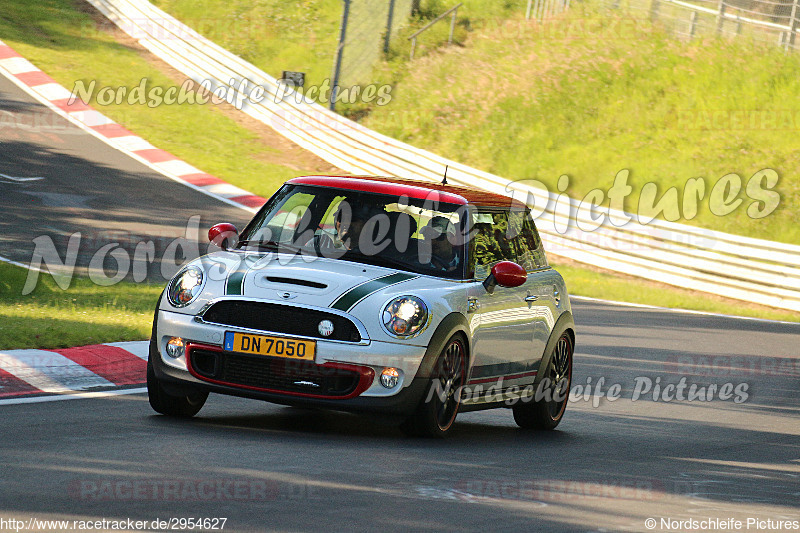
{"points": [[184, 406], [438, 409], [546, 412]]}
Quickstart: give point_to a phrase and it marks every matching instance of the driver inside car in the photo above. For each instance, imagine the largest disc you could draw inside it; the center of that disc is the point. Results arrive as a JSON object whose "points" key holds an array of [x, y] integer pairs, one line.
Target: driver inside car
{"points": [[348, 222], [441, 233]]}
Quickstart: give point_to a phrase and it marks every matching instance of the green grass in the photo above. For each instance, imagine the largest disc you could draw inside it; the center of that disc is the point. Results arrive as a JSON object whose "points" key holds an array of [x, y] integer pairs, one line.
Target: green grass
{"points": [[62, 39], [280, 35], [84, 314]]}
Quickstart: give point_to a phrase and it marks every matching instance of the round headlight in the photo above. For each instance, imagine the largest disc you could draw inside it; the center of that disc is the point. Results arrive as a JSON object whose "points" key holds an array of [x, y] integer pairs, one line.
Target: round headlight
{"points": [[185, 287], [405, 316]]}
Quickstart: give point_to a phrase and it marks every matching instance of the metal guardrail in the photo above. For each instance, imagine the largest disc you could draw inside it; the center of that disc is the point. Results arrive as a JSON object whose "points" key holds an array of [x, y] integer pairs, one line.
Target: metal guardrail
{"points": [[754, 270]]}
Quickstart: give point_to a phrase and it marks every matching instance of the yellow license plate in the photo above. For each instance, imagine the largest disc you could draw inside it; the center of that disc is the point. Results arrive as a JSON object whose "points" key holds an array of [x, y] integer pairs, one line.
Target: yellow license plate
{"points": [[271, 346]]}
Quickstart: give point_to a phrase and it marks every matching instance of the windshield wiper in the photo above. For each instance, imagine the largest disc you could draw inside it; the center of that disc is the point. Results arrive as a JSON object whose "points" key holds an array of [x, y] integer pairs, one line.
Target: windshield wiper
{"points": [[279, 246], [377, 259]]}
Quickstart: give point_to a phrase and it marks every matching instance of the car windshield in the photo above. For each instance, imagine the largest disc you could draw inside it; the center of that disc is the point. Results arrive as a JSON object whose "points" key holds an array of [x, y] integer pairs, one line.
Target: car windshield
{"points": [[422, 236]]}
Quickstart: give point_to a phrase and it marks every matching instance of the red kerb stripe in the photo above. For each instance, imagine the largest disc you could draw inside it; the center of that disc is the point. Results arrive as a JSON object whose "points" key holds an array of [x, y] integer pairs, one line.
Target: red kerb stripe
{"points": [[7, 51], [155, 155], [11, 385], [32, 79], [112, 130], [77, 105], [250, 200], [116, 365], [201, 180]]}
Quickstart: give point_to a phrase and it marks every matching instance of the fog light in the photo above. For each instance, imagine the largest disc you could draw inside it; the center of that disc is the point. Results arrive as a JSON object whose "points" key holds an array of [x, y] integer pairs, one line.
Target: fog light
{"points": [[175, 347], [390, 377]]}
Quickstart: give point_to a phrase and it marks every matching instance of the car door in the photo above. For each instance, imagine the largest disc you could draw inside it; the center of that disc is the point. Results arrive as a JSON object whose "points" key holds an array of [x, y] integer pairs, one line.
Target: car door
{"points": [[509, 325], [541, 287]]}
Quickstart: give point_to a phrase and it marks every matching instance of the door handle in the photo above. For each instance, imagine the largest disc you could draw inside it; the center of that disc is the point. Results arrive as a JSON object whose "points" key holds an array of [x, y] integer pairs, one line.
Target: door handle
{"points": [[531, 298]]}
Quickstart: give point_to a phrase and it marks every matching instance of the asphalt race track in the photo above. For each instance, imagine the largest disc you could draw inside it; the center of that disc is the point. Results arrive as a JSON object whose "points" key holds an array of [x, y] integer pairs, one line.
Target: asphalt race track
{"points": [[89, 187], [727, 447], [609, 467]]}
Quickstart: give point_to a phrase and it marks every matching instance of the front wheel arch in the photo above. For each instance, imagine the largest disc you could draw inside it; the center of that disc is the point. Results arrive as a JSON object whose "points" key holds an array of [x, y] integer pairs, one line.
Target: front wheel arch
{"points": [[564, 324], [452, 324]]}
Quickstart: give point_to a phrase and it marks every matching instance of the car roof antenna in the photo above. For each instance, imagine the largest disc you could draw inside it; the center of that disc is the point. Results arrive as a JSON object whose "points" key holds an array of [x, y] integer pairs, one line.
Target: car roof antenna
{"points": [[444, 180]]}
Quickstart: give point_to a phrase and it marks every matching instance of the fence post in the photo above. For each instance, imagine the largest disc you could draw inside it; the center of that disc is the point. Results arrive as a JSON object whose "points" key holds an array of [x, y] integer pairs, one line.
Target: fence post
{"points": [[337, 64], [389, 18], [720, 15], [738, 25], [793, 23], [413, 46], [653, 9], [692, 24], [452, 26]]}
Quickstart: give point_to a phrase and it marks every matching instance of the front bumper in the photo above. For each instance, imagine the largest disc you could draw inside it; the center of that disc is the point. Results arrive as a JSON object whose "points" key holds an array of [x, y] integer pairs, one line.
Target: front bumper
{"points": [[369, 355]]}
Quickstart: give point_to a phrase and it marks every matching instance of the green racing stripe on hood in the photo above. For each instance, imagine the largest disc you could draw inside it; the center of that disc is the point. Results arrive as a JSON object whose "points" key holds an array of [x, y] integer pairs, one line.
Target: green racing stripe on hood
{"points": [[349, 299], [234, 285]]}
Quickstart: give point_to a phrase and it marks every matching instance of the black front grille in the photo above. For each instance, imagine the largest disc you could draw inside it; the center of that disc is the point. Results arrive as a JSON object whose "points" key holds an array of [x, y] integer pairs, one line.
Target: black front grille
{"points": [[284, 375], [265, 316]]}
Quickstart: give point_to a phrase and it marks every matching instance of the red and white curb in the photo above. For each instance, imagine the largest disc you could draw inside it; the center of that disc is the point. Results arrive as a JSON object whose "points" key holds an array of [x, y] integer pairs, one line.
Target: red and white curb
{"points": [[28, 376], [26, 373], [44, 89]]}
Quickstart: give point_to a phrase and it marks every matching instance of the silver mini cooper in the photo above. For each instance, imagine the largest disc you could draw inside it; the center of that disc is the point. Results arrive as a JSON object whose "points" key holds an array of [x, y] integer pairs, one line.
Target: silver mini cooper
{"points": [[408, 300]]}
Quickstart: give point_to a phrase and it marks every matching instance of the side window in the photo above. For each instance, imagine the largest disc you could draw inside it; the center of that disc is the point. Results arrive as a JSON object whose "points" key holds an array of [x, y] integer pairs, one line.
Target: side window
{"points": [[505, 236], [490, 242], [530, 249]]}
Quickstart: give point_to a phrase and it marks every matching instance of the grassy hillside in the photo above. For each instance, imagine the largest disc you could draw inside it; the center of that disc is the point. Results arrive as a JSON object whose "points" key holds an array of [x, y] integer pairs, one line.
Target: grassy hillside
{"points": [[586, 100]]}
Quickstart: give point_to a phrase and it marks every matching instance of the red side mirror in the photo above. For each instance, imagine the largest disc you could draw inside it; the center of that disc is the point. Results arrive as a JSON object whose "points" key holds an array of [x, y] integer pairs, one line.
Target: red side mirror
{"points": [[505, 274], [224, 235]]}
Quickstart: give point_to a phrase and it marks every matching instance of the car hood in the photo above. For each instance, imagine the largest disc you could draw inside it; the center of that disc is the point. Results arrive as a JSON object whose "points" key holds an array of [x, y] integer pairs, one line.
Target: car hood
{"points": [[318, 282]]}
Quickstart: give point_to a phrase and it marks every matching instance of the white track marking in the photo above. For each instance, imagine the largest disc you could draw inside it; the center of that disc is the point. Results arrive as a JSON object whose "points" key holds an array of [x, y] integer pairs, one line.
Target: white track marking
{"points": [[49, 371], [76, 396], [140, 349], [17, 65]]}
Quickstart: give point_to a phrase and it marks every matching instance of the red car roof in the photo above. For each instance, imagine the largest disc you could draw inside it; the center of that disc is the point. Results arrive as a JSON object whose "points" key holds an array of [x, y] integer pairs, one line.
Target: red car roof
{"points": [[452, 194]]}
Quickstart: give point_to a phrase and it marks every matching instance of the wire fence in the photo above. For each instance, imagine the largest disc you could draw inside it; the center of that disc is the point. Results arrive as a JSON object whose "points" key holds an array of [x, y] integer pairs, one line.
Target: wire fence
{"points": [[545, 9], [764, 21], [369, 26]]}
